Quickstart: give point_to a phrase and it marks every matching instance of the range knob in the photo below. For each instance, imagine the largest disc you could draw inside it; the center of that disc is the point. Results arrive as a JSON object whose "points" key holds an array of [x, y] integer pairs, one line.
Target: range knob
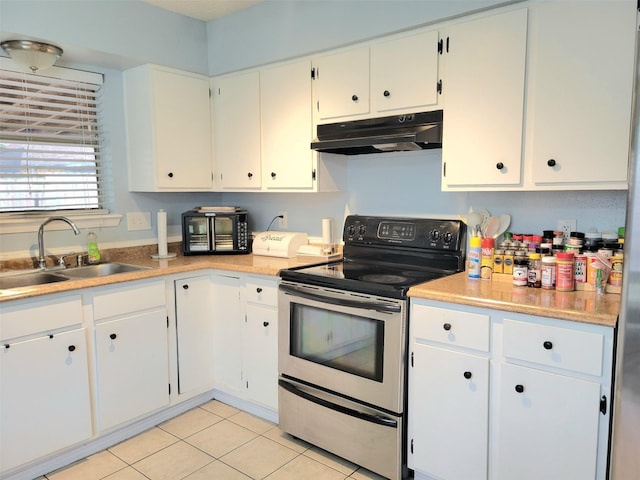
{"points": [[362, 229], [448, 236], [351, 230], [435, 235]]}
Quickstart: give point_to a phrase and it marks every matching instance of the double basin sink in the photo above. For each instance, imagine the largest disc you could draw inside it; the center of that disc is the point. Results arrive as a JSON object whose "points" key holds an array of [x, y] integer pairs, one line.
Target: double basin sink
{"points": [[76, 273]]}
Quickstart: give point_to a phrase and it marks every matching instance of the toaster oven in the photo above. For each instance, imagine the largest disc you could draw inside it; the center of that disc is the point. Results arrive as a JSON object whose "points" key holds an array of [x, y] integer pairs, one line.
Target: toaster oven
{"points": [[210, 232]]}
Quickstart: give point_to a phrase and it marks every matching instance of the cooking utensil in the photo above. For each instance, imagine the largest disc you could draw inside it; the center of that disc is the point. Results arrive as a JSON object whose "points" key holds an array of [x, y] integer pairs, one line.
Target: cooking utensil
{"points": [[491, 229], [505, 221], [474, 220]]}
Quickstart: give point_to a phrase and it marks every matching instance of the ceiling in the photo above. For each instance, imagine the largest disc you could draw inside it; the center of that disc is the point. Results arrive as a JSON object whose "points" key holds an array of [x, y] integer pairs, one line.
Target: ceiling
{"points": [[204, 10]]}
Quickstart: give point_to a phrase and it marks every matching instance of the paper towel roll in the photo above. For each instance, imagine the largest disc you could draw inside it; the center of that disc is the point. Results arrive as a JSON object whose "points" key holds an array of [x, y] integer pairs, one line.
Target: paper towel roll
{"points": [[327, 235], [162, 233]]}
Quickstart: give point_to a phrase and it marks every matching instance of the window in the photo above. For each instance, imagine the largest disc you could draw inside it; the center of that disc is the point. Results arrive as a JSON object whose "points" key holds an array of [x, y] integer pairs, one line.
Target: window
{"points": [[51, 154]]}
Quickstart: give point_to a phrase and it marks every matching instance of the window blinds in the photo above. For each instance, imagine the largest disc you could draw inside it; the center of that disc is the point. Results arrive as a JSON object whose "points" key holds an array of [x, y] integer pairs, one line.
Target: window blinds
{"points": [[51, 154]]}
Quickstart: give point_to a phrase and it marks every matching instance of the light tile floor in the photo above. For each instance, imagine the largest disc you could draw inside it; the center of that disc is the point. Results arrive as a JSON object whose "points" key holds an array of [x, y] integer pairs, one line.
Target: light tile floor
{"points": [[213, 442]]}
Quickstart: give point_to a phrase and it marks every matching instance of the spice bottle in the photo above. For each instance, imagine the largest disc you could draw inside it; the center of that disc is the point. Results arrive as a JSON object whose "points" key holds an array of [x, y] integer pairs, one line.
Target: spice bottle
{"points": [[507, 263], [486, 260], [615, 277], [533, 274], [473, 261], [520, 269], [548, 273], [498, 261], [565, 272]]}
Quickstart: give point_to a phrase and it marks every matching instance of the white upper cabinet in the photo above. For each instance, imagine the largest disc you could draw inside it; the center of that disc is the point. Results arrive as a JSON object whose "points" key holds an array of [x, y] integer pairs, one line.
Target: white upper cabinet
{"points": [[236, 131], [483, 78], [168, 124], [580, 93], [404, 74], [287, 126], [341, 87]]}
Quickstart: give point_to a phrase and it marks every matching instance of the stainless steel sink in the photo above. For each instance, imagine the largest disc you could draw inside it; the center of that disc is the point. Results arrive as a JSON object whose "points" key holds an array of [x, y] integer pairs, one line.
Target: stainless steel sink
{"points": [[29, 279], [100, 270]]}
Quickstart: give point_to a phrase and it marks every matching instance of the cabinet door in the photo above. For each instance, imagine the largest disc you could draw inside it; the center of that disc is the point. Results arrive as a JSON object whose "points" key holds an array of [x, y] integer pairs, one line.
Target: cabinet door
{"points": [[581, 82], [182, 131], [261, 354], [44, 397], [341, 86], [236, 131], [448, 413], [547, 426], [287, 130], [194, 330], [132, 367], [404, 73], [227, 333], [483, 100]]}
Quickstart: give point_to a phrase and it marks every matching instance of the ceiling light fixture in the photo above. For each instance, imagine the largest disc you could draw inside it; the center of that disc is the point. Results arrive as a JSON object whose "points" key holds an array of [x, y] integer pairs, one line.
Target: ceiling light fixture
{"points": [[34, 55]]}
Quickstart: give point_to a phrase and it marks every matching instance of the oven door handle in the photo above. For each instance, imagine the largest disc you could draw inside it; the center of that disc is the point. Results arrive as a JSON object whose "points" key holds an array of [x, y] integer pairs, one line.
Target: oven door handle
{"points": [[378, 306], [378, 420]]}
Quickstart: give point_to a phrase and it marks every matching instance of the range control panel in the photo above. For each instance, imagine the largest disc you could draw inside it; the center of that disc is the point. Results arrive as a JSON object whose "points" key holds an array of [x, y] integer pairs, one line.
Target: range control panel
{"points": [[407, 232]]}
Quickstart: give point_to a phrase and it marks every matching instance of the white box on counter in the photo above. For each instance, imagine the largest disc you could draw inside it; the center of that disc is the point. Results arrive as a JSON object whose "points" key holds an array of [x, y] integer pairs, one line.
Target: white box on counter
{"points": [[278, 244]]}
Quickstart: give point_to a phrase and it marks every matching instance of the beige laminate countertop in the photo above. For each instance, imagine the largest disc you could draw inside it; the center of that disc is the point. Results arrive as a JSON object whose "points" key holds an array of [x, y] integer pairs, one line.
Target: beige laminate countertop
{"points": [[249, 263], [579, 306]]}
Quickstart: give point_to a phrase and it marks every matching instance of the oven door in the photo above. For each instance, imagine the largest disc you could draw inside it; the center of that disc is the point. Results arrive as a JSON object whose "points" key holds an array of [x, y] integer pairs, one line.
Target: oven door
{"points": [[345, 342]]}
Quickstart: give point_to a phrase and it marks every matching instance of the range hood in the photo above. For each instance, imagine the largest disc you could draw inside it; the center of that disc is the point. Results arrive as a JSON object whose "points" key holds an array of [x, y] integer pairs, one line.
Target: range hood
{"points": [[416, 131]]}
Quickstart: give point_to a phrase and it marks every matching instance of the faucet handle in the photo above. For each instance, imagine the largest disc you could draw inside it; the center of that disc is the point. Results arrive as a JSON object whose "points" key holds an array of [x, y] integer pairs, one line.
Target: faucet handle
{"points": [[62, 260]]}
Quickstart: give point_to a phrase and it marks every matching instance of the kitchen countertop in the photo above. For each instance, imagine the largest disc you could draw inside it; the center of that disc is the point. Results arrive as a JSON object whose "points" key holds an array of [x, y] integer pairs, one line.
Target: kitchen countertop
{"points": [[249, 263], [580, 306]]}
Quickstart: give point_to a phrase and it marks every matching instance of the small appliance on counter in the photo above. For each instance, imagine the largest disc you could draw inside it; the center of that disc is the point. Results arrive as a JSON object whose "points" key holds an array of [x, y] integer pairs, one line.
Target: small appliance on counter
{"points": [[215, 230], [278, 244]]}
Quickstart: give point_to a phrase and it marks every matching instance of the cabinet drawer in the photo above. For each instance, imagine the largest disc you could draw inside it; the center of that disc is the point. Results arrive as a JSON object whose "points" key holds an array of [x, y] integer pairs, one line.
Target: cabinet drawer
{"points": [[35, 316], [451, 327], [127, 299], [264, 292], [565, 348]]}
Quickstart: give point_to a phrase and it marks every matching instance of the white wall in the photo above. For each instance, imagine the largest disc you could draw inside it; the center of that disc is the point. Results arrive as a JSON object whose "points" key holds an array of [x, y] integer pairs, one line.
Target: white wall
{"points": [[107, 36]]}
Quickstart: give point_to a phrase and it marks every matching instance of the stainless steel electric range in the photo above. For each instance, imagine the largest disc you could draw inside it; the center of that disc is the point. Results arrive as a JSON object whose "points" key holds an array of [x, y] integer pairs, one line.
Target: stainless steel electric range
{"points": [[343, 335]]}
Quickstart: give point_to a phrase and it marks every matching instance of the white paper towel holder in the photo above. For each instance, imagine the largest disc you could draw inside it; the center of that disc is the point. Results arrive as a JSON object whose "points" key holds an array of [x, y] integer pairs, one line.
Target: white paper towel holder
{"points": [[164, 257], [162, 238]]}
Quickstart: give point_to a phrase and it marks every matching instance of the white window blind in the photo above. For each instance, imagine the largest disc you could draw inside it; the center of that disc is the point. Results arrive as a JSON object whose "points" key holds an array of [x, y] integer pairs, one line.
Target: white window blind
{"points": [[51, 154]]}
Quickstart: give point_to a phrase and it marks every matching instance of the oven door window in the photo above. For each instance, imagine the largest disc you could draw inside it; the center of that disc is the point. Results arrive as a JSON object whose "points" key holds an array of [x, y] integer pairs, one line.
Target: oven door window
{"points": [[345, 342], [223, 228]]}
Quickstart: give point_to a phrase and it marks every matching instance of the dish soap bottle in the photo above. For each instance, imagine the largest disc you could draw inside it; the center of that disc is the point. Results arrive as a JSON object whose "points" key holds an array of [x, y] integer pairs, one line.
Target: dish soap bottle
{"points": [[92, 248]]}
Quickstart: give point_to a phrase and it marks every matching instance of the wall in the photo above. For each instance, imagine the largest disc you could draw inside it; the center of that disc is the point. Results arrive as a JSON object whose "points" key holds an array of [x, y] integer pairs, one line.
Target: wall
{"points": [[108, 36]]}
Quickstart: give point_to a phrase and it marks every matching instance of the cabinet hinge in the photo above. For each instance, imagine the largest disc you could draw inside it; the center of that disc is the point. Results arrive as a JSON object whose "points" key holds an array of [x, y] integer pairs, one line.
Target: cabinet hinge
{"points": [[444, 169], [440, 43], [603, 405], [167, 321], [447, 47], [412, 445], [313, 72], [412, 359], [169, 389], [209, 93], [247, 384], [439, 87], [313, 174]]}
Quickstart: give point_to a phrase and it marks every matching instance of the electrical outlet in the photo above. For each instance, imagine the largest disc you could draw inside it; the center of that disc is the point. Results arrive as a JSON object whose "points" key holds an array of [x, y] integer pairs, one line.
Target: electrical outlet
{"points": [[138, 221], [567, 226], [282, 222]]}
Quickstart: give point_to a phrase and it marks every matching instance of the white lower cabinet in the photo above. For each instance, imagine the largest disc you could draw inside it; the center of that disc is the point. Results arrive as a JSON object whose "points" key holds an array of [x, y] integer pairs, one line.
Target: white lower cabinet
{"points": [[227, 333], [44, 386], [194, 334], [530, 402], [261, 341], [547, 425], [132, 364], [448, 393]]}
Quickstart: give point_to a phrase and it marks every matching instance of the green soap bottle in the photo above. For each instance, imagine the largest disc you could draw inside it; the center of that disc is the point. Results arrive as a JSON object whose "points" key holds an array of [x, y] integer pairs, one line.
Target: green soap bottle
{"points": [[92, 248]]}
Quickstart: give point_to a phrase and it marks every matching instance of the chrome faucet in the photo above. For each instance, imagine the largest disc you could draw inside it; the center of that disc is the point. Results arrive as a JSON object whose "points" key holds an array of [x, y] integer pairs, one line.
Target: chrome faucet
{"points": [[42, 262]]}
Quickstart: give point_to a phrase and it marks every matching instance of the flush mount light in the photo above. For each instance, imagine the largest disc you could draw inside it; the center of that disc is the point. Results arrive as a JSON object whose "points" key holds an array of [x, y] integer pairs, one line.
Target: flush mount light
{"points": [[34, 55]]}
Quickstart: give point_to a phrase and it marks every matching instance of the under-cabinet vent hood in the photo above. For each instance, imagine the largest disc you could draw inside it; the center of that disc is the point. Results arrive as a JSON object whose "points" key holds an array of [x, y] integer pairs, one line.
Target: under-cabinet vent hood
{"points": [[416, 131]]}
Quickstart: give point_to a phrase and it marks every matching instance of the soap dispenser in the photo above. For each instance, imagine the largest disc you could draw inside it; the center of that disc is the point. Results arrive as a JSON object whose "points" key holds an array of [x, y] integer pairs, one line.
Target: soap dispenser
{"points": [[92, 248]]}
